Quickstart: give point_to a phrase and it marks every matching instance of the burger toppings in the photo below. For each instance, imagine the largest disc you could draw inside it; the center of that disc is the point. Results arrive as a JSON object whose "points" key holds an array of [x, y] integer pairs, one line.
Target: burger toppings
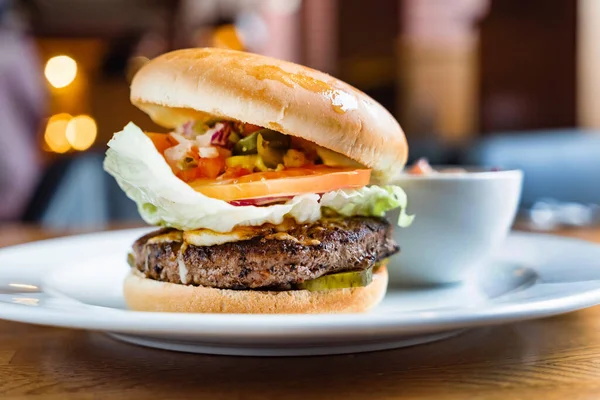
{"points": [[327, 254], [303, 194], [237, 149]]}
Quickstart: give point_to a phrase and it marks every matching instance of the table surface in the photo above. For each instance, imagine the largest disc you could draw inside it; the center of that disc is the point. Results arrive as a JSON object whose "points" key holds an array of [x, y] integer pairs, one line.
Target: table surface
{"points": [[552, 358]]}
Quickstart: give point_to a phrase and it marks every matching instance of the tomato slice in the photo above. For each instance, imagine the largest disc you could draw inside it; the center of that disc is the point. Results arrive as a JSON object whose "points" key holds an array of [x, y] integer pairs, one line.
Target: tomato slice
{"points": [[289, 182], [162, 141], [207, 168]]}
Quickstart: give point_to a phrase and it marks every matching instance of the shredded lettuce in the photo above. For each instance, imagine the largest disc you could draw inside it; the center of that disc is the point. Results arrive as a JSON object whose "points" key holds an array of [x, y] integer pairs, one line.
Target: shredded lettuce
{"points": [[165, 200]]}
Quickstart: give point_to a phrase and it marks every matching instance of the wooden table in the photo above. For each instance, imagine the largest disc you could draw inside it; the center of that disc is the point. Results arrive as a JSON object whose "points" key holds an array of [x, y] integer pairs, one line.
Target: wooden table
{"points": [[552, 358]]}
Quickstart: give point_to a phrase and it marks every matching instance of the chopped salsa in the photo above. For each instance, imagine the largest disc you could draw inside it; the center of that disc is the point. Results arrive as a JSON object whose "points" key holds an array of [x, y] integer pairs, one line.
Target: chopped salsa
{"points": [[224, 150]]}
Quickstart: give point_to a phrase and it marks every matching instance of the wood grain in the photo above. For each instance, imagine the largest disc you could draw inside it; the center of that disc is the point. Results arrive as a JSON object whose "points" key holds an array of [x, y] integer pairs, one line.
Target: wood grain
{"points": [[552, 358]]}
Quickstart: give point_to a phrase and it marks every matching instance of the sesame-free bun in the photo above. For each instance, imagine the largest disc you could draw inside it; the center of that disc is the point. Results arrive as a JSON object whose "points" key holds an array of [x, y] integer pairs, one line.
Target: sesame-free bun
{"points": [[299, 101], [143, 294]]}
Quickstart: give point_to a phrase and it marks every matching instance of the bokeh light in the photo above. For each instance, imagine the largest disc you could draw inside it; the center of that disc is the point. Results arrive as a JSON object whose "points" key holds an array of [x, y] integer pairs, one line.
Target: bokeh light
{"points": [[60, 71], [55, 135], [227, 37], [81, 132]]}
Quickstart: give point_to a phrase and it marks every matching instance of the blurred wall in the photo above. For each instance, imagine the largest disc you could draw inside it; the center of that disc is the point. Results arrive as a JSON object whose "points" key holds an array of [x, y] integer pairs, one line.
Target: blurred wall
{"points": [[283, 20], [366, 48], [438, 50], [528, 65], [588, 59], [320, 34]]}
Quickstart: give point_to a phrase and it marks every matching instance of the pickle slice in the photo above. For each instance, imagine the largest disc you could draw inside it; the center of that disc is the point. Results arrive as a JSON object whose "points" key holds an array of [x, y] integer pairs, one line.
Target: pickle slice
{"points": [[271, 155], [271, 139], [333, 159], [246, 145], [274, 139], [249, 162], [131, 260], [340, 280]]}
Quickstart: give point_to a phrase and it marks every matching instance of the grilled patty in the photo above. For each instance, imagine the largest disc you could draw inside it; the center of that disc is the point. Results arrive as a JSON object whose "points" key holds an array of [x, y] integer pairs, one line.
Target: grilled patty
{"points": [[271, 261]]}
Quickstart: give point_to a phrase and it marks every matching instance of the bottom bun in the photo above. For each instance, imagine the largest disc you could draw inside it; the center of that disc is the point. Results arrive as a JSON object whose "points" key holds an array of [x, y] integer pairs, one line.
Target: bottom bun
{"points": [[143, 294]]}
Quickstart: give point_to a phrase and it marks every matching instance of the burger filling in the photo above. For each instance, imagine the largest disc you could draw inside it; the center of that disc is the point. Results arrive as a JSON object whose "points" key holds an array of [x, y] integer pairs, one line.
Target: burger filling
{"points": [[230, 161], [244, 207], [203, 150], [290, 256]]}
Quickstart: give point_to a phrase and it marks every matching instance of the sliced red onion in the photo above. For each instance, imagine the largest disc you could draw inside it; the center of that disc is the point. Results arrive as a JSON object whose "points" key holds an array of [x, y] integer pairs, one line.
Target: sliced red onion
{"points": [[219, 135], [215, 136], [186, 129], [263, 201]]}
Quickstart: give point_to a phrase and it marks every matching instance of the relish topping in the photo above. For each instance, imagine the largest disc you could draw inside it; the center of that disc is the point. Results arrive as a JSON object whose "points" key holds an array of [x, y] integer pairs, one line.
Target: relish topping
{"points": [[222, 150]]}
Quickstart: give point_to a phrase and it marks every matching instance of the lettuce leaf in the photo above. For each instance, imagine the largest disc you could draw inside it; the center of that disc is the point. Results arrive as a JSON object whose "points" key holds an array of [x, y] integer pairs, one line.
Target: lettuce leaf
{"points": [[372, 201], [165, 200]]}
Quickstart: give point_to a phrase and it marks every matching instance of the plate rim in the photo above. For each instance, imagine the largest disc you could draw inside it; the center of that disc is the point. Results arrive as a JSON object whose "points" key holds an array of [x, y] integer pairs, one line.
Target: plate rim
{"points": [[256, 325]]}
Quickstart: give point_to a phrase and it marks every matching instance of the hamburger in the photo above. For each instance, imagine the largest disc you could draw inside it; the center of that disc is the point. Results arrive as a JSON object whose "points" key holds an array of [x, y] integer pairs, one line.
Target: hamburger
{"points": [[269, 186]]}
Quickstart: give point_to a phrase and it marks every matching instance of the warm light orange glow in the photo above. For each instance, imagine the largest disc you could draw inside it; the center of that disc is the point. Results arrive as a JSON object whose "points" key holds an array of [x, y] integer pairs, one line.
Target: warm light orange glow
{"points": [[81, 132], [227, 37], [56, 133], [60, 71]]}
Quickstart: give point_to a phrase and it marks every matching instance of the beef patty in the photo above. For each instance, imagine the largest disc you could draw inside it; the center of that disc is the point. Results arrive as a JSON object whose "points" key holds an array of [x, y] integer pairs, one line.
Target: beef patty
{"points": [[273, 260]]}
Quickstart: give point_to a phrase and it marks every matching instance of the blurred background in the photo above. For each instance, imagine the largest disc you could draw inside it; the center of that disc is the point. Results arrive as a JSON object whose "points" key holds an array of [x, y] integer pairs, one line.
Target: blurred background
{"points": [[499, 83]]}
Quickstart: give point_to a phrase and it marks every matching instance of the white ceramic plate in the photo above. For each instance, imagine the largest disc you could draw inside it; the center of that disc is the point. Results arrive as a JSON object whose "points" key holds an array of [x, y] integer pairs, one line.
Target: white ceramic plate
{"points": [[75, 282]]}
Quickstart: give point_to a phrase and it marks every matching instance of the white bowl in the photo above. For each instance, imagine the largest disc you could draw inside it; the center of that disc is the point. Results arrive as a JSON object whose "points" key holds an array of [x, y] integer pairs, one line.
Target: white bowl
{"points": [[460, 218]]}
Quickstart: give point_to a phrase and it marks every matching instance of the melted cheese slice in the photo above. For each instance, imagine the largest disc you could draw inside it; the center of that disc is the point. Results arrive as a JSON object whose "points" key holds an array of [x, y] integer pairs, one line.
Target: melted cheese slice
{"points": [[207, 237], [173, 236]]}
